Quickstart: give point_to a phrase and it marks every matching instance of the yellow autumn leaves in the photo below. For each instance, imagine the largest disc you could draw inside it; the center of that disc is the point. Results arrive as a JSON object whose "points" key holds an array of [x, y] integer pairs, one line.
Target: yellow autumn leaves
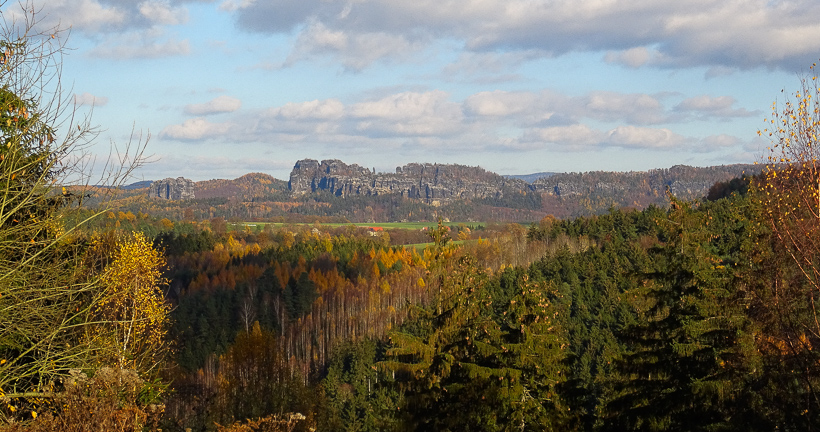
{"points": [[132, 310], [789, 190]]}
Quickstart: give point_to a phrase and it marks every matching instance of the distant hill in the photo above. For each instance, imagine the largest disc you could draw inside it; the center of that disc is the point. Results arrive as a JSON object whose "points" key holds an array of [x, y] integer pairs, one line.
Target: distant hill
{"points": [[334, 191], [594, 192], [249, 187], [138, 185]]}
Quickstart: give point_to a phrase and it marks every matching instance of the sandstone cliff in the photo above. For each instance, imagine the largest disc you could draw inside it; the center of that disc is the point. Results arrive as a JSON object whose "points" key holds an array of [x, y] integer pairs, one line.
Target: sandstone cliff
{"points": [[172, 189], [432, 183]]}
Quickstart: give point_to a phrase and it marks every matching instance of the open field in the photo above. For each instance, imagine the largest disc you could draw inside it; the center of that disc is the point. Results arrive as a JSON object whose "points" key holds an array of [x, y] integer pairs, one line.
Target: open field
{"points": [[384, 225]]}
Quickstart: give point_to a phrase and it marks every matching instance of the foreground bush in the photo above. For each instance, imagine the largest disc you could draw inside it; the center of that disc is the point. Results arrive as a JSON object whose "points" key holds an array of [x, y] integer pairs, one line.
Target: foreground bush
{"points": [[113, 400]]}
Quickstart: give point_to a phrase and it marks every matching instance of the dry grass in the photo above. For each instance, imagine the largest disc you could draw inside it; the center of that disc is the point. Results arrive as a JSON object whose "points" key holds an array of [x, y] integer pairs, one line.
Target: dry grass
{"points": [[106, 402], [273, 423]]}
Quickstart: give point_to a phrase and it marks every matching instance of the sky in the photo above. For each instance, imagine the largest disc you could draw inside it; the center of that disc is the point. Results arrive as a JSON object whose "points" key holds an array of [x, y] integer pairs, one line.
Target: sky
{"points": [[221, 88]]}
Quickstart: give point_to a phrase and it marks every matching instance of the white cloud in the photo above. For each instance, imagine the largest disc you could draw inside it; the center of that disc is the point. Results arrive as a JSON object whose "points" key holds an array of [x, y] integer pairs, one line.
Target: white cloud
{"points": [[103, 16], [195, 129], [221, 104], [641, 137], [500, 103], [633, 57], [530, 108], [82, 15], [635, 108], [736, 34], [235, 5], [706, 103], [409, 113], [710, 107], [120, 29], [159, 12], [407, 105], [572, 137], [329, 109], [355, 51], [317, 37], [89, 99], [580, 137]]}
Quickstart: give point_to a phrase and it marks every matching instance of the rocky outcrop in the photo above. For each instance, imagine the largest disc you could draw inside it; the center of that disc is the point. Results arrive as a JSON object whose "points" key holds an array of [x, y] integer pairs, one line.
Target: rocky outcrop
{"points": [[432, 183], [581, 193], [682, 181], [172, 189]]}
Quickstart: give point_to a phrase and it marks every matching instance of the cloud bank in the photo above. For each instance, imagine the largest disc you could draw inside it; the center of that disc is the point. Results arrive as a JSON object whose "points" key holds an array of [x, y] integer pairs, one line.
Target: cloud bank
{"points": [[738, 34], [497, 120]]}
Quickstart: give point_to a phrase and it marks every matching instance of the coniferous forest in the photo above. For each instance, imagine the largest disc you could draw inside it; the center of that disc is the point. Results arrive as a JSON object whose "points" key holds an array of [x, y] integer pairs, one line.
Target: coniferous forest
{"points": [[697, 315]]}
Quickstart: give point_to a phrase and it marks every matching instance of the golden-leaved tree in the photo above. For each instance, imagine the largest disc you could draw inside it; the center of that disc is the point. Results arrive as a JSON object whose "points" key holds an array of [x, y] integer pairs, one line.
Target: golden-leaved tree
{"points": [[132, 314], [790, 192]]}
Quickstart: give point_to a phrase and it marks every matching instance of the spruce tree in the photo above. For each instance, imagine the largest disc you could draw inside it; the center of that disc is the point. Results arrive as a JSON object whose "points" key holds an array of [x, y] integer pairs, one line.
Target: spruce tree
{"points": [[692, 355]]}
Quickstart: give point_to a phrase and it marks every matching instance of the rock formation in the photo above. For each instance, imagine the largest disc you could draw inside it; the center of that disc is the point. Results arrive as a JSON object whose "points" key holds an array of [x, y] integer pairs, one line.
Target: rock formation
{"points": [[432, 183], [439, 184], [172, 189]]}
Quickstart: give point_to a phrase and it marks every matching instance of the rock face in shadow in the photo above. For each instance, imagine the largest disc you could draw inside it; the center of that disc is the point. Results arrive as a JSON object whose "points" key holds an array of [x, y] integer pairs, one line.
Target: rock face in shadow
{"points": [[172, 189], [432, 183]]}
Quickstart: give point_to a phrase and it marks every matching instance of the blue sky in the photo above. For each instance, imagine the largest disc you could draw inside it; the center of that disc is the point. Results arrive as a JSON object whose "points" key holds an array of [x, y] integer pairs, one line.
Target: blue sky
{"points": [[227, 87]]}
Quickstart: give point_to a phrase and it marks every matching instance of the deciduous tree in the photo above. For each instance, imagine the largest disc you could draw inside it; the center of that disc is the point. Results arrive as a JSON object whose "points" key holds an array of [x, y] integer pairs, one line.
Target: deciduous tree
{"points": [[132, 315], [789, 197]]}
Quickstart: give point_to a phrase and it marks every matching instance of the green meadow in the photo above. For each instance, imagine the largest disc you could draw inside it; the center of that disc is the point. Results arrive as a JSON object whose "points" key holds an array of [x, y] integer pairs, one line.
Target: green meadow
{"points": [[384, 225]]}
